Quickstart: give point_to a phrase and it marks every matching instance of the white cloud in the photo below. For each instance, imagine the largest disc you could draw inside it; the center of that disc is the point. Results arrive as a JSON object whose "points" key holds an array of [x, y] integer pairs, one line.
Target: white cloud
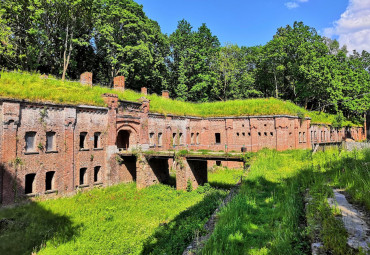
{"points": [[353, 27], [294, 4], [291, 5]]}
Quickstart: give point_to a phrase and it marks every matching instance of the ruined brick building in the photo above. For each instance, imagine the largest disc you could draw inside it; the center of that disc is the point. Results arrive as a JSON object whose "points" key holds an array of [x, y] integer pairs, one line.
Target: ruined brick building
{"points": [[52, 148]]}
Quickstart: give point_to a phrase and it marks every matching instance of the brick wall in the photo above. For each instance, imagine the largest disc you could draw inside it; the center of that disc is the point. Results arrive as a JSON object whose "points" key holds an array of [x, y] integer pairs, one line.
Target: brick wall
{"points": [[103, 129]]}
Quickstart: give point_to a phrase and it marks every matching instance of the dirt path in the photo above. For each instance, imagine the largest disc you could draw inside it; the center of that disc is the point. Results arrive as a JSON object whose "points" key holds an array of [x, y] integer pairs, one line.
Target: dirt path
{"points": [[354, 221], [197, 244]]}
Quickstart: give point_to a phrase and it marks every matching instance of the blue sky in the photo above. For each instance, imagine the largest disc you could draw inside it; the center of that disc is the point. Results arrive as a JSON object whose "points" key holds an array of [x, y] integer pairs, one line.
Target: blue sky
{"points": [[249, 23]]}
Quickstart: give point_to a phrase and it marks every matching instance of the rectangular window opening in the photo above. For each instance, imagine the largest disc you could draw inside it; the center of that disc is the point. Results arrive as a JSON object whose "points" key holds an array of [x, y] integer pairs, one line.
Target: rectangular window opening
{"points": [[50, 141], [30, 184], [49, 180], [97, 140], [181, 139], [159, 139], [97, 174], [174, 138], [83, 176], [218, 163], [197, 138], [192, 138], [30, 141], [218, 138], [151, 139], [83, 140]]}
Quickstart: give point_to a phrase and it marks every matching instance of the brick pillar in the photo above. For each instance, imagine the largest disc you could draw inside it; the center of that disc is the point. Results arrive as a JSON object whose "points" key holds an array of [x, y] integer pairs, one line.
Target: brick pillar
{"points": [[10, 180], [144, 130], [229, 134], [165, 94], [194, 171], [150, 172], [254, 134], [111, 148], [144, 90], [119, 83], [86, 79], [282, 133], [70, 117]]}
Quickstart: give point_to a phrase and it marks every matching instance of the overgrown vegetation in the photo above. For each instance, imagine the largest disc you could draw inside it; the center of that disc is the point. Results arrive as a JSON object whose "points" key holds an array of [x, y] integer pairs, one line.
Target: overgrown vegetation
{"points": [[31, 87], [268, 216], [115, 37], [114, 220]]}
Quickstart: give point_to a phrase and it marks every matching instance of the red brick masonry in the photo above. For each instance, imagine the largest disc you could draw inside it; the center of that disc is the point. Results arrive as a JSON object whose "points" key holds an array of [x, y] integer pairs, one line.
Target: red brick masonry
{"points": [[72, 147]]}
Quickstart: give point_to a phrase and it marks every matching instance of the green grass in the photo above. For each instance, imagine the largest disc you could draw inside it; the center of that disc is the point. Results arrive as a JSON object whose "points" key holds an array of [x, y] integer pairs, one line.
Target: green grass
{"points": [[31, 87], [114, 220], [268, 215]]}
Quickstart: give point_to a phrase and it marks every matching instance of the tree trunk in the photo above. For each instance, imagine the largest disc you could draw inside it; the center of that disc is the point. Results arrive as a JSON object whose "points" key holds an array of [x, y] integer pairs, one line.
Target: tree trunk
{"points": [[65, 57]]}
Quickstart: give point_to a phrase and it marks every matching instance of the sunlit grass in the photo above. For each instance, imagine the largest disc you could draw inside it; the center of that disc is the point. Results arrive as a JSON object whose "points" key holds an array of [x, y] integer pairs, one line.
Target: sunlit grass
{"points": [[31, 87], [268, 215], [114, 220]]}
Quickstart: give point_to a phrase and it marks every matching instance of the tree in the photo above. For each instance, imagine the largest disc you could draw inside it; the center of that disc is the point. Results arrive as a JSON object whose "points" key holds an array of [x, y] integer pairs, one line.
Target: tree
{"points": [[129, 43], [192, 62]]}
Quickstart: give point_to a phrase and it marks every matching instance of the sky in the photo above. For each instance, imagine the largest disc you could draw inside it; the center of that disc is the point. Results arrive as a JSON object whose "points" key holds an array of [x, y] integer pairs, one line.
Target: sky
{"points": [[253, 22]]}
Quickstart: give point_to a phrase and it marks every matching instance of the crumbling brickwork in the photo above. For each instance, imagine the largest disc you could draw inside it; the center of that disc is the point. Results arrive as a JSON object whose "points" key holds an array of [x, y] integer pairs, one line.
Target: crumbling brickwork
{"points": [[51, 148]]}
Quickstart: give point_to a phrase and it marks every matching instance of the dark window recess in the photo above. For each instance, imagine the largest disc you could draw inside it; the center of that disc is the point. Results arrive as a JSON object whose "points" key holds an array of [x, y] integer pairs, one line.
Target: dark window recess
{"points": [[83, 176], [50, 141], [243, 134], [159, 139], [271, 133], [97, 140], [265, 133], [218, 137], [30, 141], [249, 134], [49, 181], [151, 139], [259, 133], [29, 186], [82, 140], [218, 163], [173, 138], [97, 174], [180, 138]]}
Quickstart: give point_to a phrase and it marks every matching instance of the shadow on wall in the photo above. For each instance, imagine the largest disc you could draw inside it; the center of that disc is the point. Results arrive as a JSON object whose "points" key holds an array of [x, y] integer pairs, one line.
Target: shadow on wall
{"points": [[25, 228]]}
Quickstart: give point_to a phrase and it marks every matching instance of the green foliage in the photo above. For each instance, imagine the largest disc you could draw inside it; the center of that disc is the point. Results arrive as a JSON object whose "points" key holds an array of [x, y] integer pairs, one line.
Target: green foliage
{"points": [[192, 53], [266, 216], [189, 186], [115, 220]]}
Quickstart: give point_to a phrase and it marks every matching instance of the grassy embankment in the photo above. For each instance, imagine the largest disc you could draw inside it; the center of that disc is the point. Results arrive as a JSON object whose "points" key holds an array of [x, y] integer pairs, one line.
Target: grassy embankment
{"points": [[31, 87], [113, 220], [268, 215]]}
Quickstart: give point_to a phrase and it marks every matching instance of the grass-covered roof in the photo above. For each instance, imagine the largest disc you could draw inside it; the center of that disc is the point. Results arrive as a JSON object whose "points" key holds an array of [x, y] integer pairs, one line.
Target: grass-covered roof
{"points": [[31, 87]]}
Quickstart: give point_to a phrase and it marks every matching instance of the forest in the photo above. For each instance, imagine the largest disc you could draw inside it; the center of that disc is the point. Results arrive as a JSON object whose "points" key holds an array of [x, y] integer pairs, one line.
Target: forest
{"points": [[115, 37]]}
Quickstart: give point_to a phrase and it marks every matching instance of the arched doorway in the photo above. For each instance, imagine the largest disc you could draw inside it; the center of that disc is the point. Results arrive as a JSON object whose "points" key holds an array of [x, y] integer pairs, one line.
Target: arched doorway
{"points": [[123, 139]]}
